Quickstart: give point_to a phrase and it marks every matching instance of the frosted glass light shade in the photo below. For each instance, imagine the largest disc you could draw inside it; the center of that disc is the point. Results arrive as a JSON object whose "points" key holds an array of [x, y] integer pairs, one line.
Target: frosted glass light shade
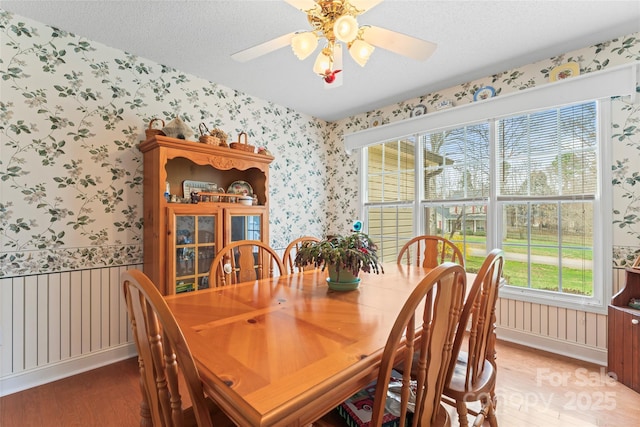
{"points": [[360, 51], [303, 44], [322, 64], [345, 28]]}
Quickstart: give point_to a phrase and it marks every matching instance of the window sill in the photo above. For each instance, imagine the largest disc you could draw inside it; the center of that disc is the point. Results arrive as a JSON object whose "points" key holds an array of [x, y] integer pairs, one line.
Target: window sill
{"points": [[554, 299]]}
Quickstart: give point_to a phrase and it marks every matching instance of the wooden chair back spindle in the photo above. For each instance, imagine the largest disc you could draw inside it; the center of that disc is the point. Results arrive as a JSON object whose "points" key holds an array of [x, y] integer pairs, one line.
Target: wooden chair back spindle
{"points": [[429, 252], [290, 254], [244, 261]]}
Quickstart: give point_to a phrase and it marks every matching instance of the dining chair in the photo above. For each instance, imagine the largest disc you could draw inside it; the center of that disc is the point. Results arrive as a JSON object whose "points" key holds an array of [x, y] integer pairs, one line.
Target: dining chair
{"points": [[429, 251], [290, 254], [244, 261], [473, 372], [435, 305], [165, 360]]}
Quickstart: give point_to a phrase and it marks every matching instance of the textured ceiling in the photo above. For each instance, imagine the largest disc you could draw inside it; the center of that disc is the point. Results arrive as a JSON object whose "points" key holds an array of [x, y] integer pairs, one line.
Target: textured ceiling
{"points": [[475, 39]]}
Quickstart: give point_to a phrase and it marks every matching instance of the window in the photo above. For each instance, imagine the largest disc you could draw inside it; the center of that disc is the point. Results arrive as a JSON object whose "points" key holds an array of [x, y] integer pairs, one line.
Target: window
{"points": [[456, 188], [528, 183], [547, 184], [390, 191]]}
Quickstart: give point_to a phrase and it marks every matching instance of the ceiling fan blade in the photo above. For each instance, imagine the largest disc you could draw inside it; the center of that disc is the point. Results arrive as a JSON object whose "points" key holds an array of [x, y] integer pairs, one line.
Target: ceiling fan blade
{"points": [[263, 48], [364, 5], [399, 43], [337, 65], [303, 5]]}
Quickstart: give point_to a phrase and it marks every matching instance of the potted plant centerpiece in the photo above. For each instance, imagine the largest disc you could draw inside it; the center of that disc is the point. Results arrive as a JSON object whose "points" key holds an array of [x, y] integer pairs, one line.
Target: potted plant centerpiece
{"points": [[344, 256]]}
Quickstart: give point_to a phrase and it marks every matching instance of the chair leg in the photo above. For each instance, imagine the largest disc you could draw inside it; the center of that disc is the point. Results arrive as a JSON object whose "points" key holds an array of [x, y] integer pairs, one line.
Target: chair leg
{"points": [[493, 405], [479, 421], [145, 411], [461, 407], [491, 414], [487, 412]]}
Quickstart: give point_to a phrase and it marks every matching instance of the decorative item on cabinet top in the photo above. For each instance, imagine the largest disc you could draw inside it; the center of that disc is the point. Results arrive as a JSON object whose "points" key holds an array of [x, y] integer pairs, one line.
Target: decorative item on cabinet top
{"points": [[240, 145], [215, 137], [221, 135], [151, 131], [218, 156], [176, 128], [264, 151]]}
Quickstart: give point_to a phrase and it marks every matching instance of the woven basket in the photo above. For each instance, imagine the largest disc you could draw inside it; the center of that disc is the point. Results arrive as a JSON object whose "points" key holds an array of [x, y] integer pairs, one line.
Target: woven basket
{"points": [[151, 132], [244, 146], [221, 135], [205, 138]]}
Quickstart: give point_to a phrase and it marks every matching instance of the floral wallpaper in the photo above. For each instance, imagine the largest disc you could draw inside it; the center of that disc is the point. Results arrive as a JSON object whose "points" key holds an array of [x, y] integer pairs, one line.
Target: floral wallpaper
{"points": [[71, 116], [72, 112]]}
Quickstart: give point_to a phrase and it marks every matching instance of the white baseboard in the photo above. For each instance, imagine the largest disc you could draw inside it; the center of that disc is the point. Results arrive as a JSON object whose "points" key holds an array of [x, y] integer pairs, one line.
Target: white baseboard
{"points": [[34, 377], [553, 345]]}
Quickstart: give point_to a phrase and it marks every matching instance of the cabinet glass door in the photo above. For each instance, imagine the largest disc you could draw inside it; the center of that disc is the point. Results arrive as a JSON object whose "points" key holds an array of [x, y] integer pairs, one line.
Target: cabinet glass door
{"points": [[245, 224], [195, 248]]}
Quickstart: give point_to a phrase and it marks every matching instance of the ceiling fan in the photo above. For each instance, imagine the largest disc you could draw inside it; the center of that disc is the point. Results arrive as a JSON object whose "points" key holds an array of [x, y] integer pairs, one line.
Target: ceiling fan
{"points": [[335, 22]]}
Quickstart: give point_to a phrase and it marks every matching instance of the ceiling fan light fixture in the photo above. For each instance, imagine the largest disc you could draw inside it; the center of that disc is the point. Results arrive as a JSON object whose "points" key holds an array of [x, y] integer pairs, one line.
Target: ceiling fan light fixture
{"points": [[335, 22], [323, 63], [345, 28], [303, 44], [360, 51]]}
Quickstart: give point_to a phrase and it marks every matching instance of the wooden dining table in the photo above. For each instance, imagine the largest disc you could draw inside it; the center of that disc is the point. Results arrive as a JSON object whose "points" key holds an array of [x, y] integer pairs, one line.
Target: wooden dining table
{"points": [[284, 351]]}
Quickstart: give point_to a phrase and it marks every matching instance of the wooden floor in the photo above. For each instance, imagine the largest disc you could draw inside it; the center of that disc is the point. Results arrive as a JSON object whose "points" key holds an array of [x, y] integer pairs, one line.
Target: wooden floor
{"points": [[534, 389]]}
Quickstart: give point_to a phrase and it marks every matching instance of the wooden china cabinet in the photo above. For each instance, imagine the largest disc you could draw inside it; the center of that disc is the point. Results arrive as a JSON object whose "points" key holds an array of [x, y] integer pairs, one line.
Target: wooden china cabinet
{"points": [[181, 237], [623, 349]]}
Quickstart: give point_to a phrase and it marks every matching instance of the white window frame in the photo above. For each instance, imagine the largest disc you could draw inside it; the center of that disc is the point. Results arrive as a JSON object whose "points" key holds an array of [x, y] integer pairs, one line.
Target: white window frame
{"points": [[602, 240]]}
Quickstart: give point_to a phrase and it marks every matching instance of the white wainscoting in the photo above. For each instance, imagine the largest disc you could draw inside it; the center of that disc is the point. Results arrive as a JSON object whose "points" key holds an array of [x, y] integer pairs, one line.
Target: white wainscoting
{"points": [[574, 333], [56, 325], [59, 324]]}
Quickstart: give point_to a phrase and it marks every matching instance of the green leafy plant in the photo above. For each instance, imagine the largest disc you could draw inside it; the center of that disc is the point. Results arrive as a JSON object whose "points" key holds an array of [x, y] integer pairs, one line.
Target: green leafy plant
{"points": [[354, 252]]}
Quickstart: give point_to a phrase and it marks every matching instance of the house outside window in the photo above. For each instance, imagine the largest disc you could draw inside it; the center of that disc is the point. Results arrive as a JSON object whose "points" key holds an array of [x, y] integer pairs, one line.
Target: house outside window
{"points": [[390, 195], [527, 183]]}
